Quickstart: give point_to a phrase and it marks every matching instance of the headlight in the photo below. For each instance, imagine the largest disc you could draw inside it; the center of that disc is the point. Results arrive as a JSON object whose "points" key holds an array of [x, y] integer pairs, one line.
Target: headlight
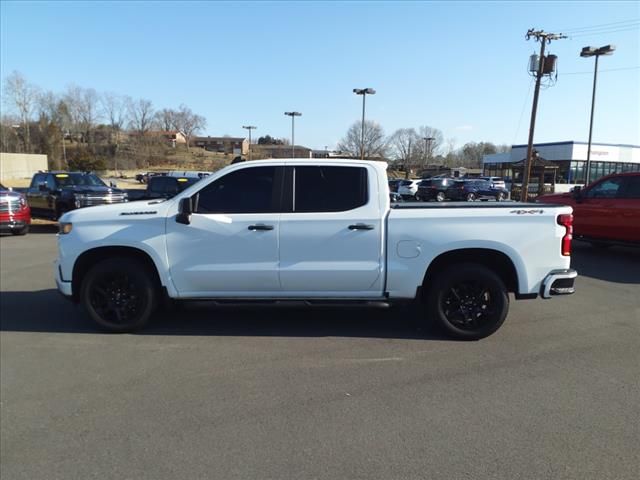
{"points": [[65, 227]]}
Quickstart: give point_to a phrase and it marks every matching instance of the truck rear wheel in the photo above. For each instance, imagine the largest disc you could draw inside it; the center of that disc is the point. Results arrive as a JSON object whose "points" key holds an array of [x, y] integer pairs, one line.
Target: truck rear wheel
{"points": [[119, 294], [468, 301]]}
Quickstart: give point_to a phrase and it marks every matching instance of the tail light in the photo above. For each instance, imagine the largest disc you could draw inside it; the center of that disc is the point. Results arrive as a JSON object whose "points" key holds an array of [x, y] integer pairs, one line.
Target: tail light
{"points": [[566, 220]]}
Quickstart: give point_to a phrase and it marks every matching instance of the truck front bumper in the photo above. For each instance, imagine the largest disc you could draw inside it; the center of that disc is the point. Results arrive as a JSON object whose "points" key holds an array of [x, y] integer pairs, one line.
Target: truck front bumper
{"points": [[64, 287], [558, 282]]}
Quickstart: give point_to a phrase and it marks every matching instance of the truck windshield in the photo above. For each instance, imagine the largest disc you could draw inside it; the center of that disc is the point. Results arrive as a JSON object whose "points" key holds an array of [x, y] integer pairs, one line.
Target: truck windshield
{"points": [[85, 179]]}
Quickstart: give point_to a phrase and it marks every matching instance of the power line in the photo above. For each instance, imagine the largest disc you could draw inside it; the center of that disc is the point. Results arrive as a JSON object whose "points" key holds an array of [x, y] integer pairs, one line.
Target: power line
{"points": [[606, 32], [600, 71], [599, 26], [524, 105]]}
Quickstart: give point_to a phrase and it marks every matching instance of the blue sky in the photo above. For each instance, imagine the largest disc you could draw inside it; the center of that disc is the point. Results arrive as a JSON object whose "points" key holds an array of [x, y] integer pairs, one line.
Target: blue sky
{"points": [[456, 66]]}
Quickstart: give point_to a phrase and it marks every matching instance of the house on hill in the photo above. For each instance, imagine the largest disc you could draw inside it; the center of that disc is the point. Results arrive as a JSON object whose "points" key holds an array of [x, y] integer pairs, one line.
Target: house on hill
{"points": [[228, 145]]}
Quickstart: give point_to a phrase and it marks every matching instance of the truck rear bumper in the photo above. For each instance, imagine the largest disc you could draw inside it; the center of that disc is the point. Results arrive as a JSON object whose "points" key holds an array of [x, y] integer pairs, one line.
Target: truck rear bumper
{"points": [[559, 282]]}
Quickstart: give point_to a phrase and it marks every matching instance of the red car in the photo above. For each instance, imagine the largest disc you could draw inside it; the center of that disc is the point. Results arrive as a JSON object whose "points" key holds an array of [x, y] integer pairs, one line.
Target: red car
{"points": [[15, 214], [606, 211]]}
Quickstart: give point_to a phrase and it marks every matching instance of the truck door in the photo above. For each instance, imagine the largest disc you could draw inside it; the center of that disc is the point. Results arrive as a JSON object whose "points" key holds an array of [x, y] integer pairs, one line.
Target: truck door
{"points": [[230, 248], [331, 235], [599, 215], [36, 197]]}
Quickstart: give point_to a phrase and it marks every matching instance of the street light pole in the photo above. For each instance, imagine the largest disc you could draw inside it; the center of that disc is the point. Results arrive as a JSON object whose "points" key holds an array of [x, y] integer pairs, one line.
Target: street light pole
{"points": [[249, 127], [293, 115], [364, 92], [585, 53]]}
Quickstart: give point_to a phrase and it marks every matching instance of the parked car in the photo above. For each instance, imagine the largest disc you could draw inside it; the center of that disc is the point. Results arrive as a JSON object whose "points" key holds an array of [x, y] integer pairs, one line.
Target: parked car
{"points": [[166, 186], [607, 211], [408, 189], [394, 184], [395, 197], [471, 190], [15, 214], [434, 188], [496, 182], [312, 231], [144, 177], [51, 194]]}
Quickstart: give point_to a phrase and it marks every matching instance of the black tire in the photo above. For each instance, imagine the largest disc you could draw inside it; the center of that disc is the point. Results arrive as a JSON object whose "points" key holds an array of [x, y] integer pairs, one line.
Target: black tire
{"points": [[21, 231], [468, 301], [61, 210], [440, 197], [471, 197], [119, 294]]}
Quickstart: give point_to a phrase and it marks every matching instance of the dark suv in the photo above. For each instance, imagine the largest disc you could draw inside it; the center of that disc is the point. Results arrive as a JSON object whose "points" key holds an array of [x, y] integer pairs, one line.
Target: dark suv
{"points": [[434, 189], [471, 190], [53, 193], [163, 187]]}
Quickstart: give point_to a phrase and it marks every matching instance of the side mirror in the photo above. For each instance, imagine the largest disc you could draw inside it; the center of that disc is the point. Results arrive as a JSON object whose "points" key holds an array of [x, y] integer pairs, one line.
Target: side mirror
{"points": [[577, 193], [113, 184], [184, 211], [43, 187]]}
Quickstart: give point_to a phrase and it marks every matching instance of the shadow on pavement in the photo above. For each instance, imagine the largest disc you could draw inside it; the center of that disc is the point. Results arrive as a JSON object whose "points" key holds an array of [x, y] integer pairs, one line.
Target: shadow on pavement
{"points": [[47, 311], [614, 264]]}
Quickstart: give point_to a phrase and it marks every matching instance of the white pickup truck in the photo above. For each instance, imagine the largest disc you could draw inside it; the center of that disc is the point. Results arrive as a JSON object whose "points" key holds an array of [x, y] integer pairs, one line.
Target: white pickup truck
{"points": [[301, 230]]}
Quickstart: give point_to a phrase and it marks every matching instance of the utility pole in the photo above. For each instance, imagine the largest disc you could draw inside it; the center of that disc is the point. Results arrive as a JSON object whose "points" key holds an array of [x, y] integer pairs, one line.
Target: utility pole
{"points": [[249, 127], [544, 38]]}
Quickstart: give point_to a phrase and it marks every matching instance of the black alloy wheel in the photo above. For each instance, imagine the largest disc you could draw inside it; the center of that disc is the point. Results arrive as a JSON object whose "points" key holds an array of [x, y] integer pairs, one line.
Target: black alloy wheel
{"points": [[119, 294], [471, 197], [469, 301], [500, 197]]}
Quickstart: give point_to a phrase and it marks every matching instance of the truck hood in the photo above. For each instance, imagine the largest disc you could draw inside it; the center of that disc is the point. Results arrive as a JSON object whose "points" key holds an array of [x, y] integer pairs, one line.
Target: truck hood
{"points": [[121, 212]]}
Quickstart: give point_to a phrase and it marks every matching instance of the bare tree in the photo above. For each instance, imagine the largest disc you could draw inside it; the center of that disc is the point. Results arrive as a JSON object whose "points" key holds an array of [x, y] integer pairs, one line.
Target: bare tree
{"points": [[89, 112], [427, 149], [188, 123], [472, 153], [375, 144], [141, 115], [405, 143], [166, 119], [22, 96], [114, 108]]}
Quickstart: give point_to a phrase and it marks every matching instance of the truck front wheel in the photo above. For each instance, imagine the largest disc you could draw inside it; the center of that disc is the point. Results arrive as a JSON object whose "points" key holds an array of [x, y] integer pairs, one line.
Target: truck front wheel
{"points": [[119, 294], [469, 301]]}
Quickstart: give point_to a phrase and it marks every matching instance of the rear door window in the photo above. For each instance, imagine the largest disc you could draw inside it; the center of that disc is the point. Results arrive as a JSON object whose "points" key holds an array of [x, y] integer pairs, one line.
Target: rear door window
{"points": [[631, 187], [329, 188]]}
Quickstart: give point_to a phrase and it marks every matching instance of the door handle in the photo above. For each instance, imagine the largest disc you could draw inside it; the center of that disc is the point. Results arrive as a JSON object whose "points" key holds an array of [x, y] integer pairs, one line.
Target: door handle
{"points": [[361, 226], [260, 227]]}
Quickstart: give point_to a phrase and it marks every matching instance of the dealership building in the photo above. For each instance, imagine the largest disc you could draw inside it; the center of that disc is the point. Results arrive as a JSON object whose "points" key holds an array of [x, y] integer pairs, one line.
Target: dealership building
{"points": [[565, 162]]}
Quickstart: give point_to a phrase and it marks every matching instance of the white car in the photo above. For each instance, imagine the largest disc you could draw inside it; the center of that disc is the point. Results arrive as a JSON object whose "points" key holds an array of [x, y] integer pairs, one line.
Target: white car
{"points": [[313, 231], [496, 182], [408, 188]]}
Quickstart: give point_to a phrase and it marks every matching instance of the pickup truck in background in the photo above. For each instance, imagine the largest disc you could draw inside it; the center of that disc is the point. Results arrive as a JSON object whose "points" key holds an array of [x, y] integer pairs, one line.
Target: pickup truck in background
{"points": [[162, 186], [607, 212], [51, 194], [317, 232], [15, 215]]}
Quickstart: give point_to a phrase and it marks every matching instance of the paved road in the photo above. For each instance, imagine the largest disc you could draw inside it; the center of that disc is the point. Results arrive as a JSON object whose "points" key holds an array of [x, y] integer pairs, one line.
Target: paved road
{"points": [[331, 394]]}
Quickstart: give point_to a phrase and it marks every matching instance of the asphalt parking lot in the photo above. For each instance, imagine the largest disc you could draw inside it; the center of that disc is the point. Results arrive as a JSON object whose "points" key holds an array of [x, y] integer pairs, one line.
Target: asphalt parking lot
{"points": [[327, 394]]}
